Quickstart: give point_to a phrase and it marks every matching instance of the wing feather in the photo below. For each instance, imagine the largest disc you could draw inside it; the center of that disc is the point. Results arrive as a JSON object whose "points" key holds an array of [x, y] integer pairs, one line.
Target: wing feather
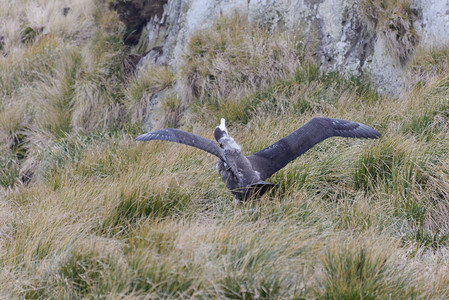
{"points": [[273, 158], [183, 137]]}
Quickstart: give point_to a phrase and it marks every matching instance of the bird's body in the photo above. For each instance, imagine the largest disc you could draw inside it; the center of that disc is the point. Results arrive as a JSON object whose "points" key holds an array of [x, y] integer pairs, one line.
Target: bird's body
{"points": [[239, 176], [244, 175]]}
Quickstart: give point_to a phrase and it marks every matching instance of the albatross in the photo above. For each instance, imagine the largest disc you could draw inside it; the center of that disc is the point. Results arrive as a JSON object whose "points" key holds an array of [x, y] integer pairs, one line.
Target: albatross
{"points": [[244, 175]]}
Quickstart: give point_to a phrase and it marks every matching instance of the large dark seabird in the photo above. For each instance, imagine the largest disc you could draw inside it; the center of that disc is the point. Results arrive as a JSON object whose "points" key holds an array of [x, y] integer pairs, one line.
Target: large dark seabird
{"points": [[244, 175]]}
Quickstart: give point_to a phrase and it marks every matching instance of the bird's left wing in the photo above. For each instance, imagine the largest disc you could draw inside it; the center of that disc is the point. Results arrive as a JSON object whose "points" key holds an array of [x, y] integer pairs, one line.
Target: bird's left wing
{"points": [[273, 158], [183, 137]]}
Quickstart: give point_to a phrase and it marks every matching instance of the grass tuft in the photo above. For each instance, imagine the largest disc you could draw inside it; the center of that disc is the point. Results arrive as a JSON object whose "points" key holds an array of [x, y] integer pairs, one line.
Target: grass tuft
{"points": [[142, 203], [362, 271], [223, 64], [394, 19], [389, 165], [82, 273], [9, 169]]}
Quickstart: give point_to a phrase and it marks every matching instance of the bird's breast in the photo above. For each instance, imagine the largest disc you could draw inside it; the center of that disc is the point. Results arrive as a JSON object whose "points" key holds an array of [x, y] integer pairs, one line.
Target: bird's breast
{"points": [[237, 171]]}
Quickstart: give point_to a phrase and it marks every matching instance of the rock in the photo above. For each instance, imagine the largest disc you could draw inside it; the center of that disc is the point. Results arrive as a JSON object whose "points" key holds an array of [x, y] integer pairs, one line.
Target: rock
{"points": [[345, 41], [162, 33], [433, 22], [385, 70], [135, 14]]}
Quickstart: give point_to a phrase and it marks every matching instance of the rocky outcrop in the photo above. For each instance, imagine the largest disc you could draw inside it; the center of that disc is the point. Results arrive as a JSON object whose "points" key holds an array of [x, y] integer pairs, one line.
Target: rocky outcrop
{"points": [[345, 40], [433, 22], [135, 14], [162, 34]]}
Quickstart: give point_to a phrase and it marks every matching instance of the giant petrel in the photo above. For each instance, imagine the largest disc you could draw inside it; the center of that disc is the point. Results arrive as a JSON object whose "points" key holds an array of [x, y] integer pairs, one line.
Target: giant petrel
{"points": [[244, 175]]}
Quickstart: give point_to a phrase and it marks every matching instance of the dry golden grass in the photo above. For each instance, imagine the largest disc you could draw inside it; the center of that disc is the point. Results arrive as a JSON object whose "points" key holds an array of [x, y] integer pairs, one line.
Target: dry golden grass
{"points": [[105, 217], [223, 64], [394, 20], [145, 90]]}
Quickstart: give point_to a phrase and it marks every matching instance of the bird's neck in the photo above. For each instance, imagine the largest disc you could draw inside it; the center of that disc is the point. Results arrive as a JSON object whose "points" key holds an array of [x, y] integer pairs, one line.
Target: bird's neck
{"points": [[230, 145]]}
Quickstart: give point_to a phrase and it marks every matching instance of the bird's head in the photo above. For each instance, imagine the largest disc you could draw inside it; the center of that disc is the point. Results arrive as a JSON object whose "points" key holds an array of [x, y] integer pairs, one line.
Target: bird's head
{"points": [[221, 131], [221, 135]]}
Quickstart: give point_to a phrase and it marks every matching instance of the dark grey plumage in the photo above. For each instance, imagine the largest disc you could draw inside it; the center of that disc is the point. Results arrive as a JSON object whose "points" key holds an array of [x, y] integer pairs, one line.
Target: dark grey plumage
{"points": [[182, 137], [245, 175]]}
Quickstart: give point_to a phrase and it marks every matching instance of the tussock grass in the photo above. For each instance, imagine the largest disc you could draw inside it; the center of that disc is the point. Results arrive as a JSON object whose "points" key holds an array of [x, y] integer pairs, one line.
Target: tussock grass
{"points": [[359, 269], [224, 64], [150, 101], [394, 20], [9, 170], [55, 97], [429, 64], [103, 216]]}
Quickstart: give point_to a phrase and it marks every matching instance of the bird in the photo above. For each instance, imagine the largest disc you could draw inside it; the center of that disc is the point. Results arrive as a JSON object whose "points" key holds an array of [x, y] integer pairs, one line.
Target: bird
{"points": [[244, 175]]}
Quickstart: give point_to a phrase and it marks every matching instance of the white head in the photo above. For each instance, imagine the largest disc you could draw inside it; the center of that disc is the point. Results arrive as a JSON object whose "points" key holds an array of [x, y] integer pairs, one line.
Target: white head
{"points": [[222, 125], [221, 131], [223, 138]]}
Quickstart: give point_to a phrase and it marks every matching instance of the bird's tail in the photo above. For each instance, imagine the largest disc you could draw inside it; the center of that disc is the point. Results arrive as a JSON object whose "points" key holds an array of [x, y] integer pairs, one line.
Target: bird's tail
{"points": [[254, 190]]}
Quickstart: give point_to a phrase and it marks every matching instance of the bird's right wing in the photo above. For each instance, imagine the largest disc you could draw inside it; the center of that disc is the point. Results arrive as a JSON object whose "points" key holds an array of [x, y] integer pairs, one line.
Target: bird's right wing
{"points": [[183, 137], [273, 158]]}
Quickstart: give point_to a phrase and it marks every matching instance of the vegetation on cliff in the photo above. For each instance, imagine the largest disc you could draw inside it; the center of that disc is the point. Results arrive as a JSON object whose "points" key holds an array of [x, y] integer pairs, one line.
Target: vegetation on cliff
{"points": [[85, 212]]}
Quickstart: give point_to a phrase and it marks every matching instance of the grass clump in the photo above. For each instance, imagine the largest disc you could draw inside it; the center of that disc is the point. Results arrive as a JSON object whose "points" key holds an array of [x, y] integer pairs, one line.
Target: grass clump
{"points": [[163, 280], [9, 169], [242, 265], [394, 20], [56, 97], [81, 273], [172, 108], [224, 64], [82, 270], [422, 238], [69, 149], [247, 287], [145, 90], [143, 203], [155, 276], [362, 272], [427, 64], [389, 166]]}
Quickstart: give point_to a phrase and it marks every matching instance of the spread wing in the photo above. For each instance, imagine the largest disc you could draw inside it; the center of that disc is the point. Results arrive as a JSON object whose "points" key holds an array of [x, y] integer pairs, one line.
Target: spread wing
{"points": [[273, 158], [183, 137]]}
